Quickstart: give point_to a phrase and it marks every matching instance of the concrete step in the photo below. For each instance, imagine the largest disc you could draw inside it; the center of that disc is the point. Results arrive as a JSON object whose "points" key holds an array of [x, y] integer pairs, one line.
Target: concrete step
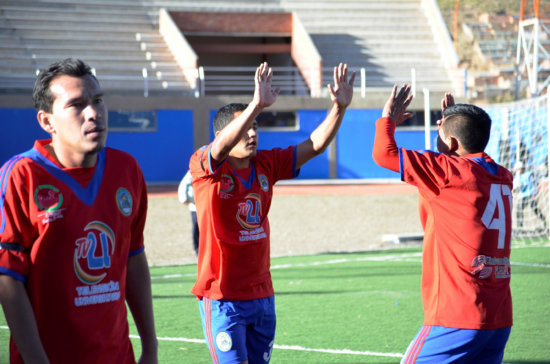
{"points": [[77, 4], [20, 9], [80, 25]]}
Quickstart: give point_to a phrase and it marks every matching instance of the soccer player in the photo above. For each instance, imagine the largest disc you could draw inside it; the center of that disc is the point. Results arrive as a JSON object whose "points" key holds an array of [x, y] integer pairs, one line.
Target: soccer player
{"points": [[465, 209], [72, 214], [185, 196], [233, 184]]}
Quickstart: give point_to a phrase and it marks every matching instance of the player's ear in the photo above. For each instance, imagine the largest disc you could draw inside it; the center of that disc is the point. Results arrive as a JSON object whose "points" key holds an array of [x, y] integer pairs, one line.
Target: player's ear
{"points": [[45, 121], [453, 144]]}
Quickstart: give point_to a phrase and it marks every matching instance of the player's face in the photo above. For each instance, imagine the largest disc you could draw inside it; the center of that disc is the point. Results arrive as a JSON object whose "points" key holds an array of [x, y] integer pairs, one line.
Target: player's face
{"points": [[79, 116], [248, 145]]}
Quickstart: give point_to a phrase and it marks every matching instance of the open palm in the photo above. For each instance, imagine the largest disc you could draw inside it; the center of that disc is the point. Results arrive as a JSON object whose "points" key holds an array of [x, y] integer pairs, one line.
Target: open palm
{"points": [[264, 94], [342, 91]]}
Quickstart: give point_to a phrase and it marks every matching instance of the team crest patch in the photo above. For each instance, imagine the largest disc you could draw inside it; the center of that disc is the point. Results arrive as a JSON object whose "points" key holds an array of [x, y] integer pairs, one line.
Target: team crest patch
{"points": [[264, 183], [48, 198], [124, 201], [227, 183], [223, 341]]}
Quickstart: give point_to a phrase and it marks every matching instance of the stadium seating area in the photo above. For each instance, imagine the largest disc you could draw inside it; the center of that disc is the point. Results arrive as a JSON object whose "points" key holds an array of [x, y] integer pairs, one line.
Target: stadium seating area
{"points": [[35, 33], [494, 41], [121, 40]]}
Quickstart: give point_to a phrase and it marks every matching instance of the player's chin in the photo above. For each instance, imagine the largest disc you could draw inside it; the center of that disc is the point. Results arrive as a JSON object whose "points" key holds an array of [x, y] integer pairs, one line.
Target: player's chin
{"points": [[93, 146], [252, 150]]}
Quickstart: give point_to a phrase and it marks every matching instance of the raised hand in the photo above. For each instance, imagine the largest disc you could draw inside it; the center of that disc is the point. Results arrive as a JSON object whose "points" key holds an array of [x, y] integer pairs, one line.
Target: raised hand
{"points": [[446, 101], [264, 95], [342, 91], [397, 104]]}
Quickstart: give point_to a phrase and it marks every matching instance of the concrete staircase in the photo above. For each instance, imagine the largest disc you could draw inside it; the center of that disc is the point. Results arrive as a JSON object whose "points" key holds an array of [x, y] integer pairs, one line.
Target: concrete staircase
{"points": [[388, 38], [116, 38], [120, 38]]}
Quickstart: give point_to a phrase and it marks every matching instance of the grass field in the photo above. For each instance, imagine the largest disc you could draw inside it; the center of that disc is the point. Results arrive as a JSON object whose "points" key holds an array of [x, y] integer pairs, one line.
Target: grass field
{"points": [[345, 308]]}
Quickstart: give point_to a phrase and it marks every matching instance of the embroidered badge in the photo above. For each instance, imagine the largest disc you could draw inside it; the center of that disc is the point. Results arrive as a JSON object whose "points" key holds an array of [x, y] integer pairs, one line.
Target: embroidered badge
{"points": [[264, 183], [124, 201], [223, 341]]}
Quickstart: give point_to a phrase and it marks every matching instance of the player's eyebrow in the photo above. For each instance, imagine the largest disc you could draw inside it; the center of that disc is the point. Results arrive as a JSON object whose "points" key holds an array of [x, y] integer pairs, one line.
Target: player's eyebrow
{"points": [[83, 98]]}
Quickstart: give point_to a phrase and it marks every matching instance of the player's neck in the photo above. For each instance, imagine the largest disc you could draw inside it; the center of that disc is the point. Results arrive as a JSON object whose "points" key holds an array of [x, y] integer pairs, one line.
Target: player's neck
{"points": [[71, 160], [238, 163]]}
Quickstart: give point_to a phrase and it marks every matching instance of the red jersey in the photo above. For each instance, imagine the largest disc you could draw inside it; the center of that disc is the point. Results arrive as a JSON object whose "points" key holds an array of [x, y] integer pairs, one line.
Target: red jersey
{"points": [[465, 210], [232, 208], [67, 233]]}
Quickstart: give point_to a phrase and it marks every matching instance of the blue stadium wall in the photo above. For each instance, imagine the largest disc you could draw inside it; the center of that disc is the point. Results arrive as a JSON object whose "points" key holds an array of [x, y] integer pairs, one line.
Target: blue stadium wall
{"points": [[164, 154]]}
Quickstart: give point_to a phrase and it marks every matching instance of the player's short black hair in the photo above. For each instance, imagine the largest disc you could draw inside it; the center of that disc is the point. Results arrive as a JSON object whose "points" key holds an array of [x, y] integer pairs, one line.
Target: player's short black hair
{"points": [[41, 95], [225, 114], [470, 124]]}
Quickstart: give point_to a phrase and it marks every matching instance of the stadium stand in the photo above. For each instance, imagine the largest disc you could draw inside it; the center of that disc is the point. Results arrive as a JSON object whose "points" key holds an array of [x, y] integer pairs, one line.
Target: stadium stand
{"points": [[493, 40], [121, 39], [33, 34]]}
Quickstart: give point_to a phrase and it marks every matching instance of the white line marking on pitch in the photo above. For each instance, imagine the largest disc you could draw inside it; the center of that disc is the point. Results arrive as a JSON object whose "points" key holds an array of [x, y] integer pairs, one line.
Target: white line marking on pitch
{"points": [[393, 257], [382, 258], [290, 347], [409, 257]]}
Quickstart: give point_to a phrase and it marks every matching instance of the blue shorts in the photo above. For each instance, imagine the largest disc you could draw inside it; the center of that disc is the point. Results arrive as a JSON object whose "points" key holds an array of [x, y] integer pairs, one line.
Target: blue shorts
{"points": [[237, 331], [437, 344]]}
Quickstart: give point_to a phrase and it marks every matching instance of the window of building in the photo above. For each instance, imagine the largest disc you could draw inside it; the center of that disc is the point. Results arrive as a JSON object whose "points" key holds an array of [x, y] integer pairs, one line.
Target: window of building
{"points": [[278, 121]]}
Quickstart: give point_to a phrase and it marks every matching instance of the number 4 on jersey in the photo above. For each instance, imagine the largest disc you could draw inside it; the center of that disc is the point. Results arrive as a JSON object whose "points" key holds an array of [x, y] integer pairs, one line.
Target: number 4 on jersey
{"points": [[496, 204]]}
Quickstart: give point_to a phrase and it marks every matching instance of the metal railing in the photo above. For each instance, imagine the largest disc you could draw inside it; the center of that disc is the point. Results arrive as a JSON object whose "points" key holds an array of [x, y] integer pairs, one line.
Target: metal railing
{"points": [[240, 80], [234, 80]]}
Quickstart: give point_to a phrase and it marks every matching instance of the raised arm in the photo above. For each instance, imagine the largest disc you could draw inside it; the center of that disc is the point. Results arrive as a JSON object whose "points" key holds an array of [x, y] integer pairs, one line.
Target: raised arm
{"points": [[230, 135], [21, 321], [341, 95], [446, 101], [385, 152]]}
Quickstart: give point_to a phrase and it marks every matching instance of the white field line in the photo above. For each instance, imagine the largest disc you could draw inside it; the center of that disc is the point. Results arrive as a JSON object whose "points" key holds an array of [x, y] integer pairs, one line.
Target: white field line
{"points": [[412, 257], [535, 265], [281, 347], [289, 347], [409, 257]]}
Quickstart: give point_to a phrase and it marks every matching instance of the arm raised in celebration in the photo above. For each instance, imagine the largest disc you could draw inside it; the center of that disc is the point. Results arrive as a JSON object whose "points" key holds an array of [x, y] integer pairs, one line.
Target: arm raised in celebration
{"points": [[341, 95]]}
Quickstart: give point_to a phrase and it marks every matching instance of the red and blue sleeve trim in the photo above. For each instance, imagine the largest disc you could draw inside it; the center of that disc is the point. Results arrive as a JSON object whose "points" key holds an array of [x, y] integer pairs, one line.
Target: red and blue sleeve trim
{"points": [[13, 274], [4, 173], [136, 252], [295, 172]]}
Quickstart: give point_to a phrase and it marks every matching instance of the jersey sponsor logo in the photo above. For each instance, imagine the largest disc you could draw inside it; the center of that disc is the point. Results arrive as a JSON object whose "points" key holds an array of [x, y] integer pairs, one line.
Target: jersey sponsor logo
{"points": [[227, 183], [264, 182], [250, 235], [484, 267], [48, 198], [124, 201], [249, 212], [98, 293], [223, 341], [92, 254]]}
